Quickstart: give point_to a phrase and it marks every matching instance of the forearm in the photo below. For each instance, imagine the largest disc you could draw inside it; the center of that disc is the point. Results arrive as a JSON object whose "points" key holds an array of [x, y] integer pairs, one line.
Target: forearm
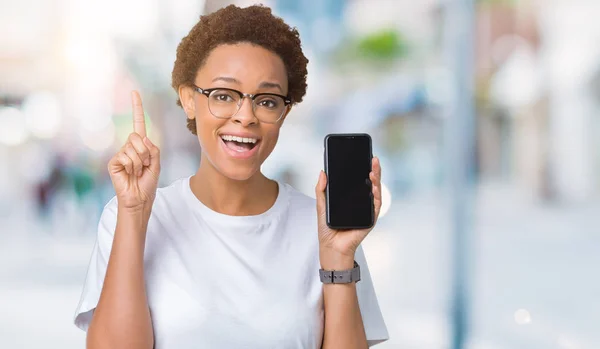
{"points": [[343, 322], [122, 317]]}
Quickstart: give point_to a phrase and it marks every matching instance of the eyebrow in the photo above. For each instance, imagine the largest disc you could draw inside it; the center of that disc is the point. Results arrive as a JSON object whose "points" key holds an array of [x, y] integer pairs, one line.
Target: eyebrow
{"points": [[264, 84], [226, 79]]}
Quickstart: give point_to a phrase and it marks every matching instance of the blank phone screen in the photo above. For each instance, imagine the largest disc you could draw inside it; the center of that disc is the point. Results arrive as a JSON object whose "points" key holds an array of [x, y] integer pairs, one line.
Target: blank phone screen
{"points": [[350, 204]]}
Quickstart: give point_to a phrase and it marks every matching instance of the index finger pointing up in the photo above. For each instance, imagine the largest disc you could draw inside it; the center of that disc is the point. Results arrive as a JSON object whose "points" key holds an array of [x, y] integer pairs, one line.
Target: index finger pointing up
{"points": [[139, 125]]}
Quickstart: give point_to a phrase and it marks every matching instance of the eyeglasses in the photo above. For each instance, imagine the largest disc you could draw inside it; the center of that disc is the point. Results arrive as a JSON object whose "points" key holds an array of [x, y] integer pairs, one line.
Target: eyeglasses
{"points": [[224, 103]]}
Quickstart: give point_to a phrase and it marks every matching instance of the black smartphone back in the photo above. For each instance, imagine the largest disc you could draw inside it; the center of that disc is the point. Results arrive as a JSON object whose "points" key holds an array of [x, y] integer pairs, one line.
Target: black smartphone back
{"points": [[349, 193]]}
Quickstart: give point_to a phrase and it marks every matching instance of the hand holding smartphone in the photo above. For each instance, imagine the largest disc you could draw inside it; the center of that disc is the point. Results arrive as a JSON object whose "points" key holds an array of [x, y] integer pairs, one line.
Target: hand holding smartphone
{"points": [[349, 196]]}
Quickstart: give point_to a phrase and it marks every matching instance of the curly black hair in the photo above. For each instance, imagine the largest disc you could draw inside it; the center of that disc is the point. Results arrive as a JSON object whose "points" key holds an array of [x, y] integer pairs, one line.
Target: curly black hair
{"points": [[229, 25]]}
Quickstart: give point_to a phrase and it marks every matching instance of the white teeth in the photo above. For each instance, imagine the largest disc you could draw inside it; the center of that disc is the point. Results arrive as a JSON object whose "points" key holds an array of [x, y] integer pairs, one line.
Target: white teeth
{"points": [[238, 139]]}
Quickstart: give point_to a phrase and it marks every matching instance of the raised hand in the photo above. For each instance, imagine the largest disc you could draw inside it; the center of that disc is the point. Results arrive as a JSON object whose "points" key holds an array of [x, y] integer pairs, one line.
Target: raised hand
{"points": [[337, 247], [135, 169]]}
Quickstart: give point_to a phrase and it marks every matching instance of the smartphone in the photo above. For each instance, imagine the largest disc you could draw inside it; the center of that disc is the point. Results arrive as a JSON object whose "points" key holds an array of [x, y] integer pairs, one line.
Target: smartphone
{"points": [[349, 196]]}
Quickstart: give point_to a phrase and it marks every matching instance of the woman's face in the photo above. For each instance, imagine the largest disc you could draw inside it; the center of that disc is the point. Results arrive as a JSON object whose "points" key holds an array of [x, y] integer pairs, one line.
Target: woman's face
{"points": [[249, 69]]}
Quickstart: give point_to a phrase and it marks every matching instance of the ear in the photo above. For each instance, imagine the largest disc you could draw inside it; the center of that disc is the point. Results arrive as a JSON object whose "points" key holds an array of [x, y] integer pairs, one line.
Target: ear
{"points": [[186, 96]]}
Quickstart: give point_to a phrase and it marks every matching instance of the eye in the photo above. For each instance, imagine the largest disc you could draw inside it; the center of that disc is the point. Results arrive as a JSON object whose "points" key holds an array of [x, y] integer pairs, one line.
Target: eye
{"points": [[269, 102], [223, 96]]}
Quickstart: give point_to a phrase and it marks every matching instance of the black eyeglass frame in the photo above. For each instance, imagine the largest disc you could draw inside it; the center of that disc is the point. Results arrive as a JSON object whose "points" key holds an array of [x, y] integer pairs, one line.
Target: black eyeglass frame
{"points": [[286, 100]]}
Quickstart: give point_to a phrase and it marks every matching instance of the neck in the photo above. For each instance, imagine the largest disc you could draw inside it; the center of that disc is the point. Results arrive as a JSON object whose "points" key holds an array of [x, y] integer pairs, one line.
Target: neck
{"points": [[233, 197]]}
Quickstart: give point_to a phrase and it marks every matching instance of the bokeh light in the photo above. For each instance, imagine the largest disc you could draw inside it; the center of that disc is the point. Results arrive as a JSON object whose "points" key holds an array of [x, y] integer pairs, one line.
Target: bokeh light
{"points": [[43, 114], [522, 317], [13, 129], [99, 140], [386, 200]]}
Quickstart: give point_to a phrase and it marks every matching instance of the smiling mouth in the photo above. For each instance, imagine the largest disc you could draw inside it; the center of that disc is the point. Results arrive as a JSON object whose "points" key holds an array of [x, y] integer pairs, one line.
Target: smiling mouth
{"points": [[239, 144]]}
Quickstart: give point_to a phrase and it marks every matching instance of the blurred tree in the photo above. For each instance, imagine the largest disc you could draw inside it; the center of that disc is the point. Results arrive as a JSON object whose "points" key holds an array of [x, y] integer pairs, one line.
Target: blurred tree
{"points": [[386, 44], [383, 46]]}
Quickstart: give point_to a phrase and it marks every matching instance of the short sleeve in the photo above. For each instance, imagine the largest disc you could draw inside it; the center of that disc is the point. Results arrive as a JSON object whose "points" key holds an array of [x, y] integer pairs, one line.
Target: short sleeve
{"points": [[97, 268], [374, 324]]}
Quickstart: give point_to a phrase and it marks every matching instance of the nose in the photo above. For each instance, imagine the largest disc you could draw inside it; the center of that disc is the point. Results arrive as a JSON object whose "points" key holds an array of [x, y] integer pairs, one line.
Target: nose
{"points": [[245, 115]]}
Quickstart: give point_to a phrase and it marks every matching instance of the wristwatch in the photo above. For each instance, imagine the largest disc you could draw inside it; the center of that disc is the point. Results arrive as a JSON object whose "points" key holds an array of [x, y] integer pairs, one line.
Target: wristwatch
{"points": [[340, 276]]}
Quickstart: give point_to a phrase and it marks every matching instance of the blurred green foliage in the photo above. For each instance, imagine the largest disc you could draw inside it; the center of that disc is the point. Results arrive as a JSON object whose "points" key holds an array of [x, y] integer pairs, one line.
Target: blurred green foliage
{"points": [[386, 44], [374, 49]]}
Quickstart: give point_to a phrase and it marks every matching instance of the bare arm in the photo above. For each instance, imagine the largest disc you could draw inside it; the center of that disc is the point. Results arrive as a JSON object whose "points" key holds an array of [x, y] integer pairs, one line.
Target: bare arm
{"points": [[343, 323], [344, 326], [122, 317]]}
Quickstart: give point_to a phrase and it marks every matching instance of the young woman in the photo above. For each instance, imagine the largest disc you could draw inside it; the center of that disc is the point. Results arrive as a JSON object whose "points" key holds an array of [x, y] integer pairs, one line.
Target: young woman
{"points": [[226, 258]]}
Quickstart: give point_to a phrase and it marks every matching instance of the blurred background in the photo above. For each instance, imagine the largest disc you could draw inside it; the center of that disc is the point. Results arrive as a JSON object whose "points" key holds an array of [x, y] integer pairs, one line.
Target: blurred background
{"points": [[526, 236]]}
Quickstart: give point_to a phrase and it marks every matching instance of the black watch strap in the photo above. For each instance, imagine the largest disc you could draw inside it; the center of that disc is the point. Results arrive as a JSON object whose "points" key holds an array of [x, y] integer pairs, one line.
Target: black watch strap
{"points": [[340, 276]]}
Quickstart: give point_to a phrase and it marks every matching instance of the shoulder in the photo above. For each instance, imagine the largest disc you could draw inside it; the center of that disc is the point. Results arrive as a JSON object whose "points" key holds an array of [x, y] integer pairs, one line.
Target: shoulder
{"points": [[301, 206], [171, 202], [171, 191], [298, 199]]}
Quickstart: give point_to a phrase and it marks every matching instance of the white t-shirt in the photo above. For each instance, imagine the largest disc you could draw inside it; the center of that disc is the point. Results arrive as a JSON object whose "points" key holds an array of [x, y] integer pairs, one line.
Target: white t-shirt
{"points": [[218, 281]]}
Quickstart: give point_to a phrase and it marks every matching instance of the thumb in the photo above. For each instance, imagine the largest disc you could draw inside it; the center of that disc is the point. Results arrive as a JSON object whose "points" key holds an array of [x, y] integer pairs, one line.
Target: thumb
{"points": [[320, 192], [154, 156]]}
